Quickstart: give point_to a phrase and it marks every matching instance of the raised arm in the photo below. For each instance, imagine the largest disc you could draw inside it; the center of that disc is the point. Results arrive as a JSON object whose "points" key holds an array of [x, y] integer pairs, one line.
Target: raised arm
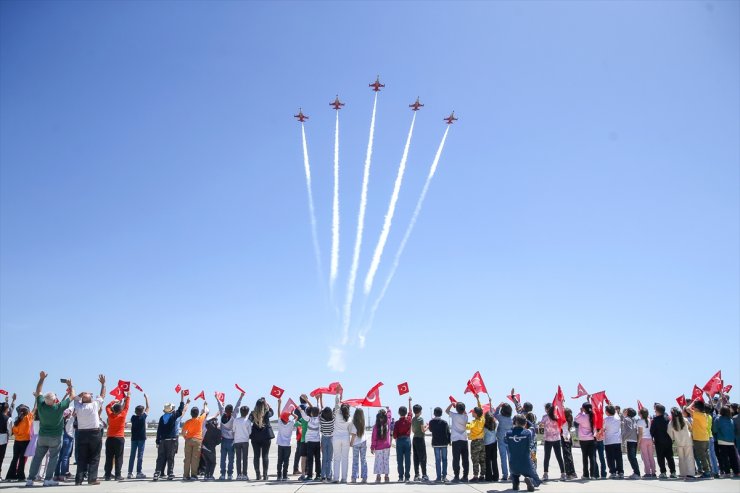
{"points": [[101, 379], [219, 403], [447, 411], [205, 409], [146, 404], [40, 384], [238, 403]]}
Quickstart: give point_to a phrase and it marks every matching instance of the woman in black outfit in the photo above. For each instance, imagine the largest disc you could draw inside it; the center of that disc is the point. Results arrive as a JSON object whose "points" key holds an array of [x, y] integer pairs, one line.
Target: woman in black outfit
{"points": [[261, 436]]}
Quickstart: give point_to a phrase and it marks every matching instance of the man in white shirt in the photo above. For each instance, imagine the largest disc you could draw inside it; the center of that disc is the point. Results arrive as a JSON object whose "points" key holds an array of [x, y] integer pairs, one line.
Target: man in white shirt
{"points": [[89, 436]]}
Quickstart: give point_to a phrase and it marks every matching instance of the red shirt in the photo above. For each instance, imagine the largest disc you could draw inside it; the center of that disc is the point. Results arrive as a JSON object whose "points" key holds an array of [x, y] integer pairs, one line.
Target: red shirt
{"points": [[402, 428]]}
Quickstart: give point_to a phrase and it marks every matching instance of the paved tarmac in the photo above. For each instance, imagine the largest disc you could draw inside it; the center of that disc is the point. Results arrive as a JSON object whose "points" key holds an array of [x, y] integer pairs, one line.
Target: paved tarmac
{"points": [[292, 485]]}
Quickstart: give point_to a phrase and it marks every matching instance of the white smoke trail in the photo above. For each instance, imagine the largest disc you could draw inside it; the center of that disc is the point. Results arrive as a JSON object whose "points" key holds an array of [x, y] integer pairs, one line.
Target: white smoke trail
{"points": [[335, 212], [389, 215], [311, 209], [360, 228], [363, 332]]}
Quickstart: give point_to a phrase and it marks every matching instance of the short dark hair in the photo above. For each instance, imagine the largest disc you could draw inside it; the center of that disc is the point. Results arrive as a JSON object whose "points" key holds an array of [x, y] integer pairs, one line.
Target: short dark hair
{"points": [[244, 410], [660, 408], [438, 412], [631, 412], [610, 410], [506, 410], [194, 412], [460, 407], [725, 411], [520, 420], [139, 410], [416, 408], [527, 407], [402, 411], [116, 408]]}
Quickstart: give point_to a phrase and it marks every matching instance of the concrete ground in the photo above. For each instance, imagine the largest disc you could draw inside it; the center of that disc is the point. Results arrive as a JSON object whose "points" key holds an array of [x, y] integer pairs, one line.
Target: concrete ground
{"points": [[606, 486]]}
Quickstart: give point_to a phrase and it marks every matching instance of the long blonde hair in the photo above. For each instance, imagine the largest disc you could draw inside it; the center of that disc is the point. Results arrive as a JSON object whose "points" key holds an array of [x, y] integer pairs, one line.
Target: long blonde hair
{"points": [[258, 415]]}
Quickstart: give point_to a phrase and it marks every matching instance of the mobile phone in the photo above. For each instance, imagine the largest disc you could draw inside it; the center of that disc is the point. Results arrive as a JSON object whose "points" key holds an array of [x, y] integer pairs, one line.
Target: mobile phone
{"points": [[63, 380]]}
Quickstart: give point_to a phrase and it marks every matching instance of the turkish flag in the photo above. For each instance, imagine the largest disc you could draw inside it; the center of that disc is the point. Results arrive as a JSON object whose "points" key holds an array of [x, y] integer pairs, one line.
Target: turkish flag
{"points": [[276, 391], [639, 405], [178, 388], [117, 393], [123, 385], [186, 392], [403, 388], [597, 401], [726, 390], [202, 395], [290, 406], [453, 400], [354, 402], [239, 388], [331, 389], [476, 385], [372, 399], [221, 397], [696, 393], [136, 385], [714, 384], [681, 399], [515, 396], [3, 392], [558, 403], [580, 392]]}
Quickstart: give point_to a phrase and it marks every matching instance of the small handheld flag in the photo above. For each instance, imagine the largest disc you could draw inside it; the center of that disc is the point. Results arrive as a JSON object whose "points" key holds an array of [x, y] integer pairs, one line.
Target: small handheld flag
{"points": [[123, 385], [239, 388], [136, 385], [202, 395], [178, 388], [403, 388], [276, 391]]}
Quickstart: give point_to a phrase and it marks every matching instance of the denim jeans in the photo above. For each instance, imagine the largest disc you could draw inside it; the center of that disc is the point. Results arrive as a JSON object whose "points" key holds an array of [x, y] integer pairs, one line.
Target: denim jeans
{"points": [[359, 460], [440, 462], [64, 455], [137, 450], [503, 453], [403, 457], [227, 451], [602, 458], [327, 453], [43, 445], [713, 456]]}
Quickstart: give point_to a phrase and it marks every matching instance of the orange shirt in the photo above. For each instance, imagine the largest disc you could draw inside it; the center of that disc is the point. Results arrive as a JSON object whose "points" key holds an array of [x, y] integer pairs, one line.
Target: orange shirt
{"points": [[22, 431], [193, 428], [116, 422]]}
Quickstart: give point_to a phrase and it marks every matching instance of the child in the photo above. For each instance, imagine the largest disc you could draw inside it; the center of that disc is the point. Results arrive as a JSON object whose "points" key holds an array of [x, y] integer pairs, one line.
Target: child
{"points": [[242, 429], [115, 441], [459, 440], [566, 441], [663, 442], [599, 444], [328, 416], [192, 431], [138, 439], [285, 430], [211, 440], [519, 440], [647, 448], [701, 433], [629, 435], [358, 443], [489, 441], [503, 416], [477, 447], [418, 429], [227, 435], [679, 432], [402, 435], [340, 443], [585, 424], [552, 440], [613, 443], [530, 417], [299, 460], [440, 440], [301, 449], [724, 433], [380, 444], [313, 442]]}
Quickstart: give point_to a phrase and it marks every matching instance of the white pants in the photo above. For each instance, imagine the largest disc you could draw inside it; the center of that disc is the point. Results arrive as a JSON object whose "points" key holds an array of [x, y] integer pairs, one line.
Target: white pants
{"points": [[341, 458]]}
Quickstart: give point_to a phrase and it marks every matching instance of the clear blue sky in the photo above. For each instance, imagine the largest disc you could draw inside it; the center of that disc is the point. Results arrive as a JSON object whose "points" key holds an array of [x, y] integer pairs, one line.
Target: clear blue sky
{"points": [[583, 224]]}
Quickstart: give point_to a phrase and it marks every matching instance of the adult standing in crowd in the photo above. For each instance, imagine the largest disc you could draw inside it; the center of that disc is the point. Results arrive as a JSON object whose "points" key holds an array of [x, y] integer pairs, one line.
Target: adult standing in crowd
{"points": [[89, 435], [167, 435], [261, 436]]}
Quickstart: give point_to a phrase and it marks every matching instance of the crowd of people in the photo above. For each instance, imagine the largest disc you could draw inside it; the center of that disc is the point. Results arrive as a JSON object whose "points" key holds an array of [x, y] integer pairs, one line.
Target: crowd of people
{"points": [[704, 433]]}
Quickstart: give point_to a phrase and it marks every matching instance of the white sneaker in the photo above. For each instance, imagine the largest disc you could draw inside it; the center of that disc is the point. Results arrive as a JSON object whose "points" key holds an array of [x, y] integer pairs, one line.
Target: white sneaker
{"points": [[51, 482]]}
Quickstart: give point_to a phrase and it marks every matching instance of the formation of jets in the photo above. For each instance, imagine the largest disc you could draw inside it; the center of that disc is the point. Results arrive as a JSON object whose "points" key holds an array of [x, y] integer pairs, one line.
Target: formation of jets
{"points": [[337, 105]]}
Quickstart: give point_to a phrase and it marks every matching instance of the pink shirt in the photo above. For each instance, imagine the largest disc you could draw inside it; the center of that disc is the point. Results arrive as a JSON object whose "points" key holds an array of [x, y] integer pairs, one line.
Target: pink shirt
{"points": [[552, 430], [380, 444], [585, 432]]}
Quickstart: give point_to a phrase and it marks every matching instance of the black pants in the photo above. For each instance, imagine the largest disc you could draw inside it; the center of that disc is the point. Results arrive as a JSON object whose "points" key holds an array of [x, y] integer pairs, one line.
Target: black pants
{"points": [[241, 450], [313, 453], [297, 457], [3, 447], [567, 446], [209, 461], [664, 453], [166, 451], [492, 462], [588, 452], [614, 458], [549, 446], [113, 454], [283, 461], [17, 469], [632, 457], [261, 448], [420, 455], [89, 444], [727, 459], [460, 450]]}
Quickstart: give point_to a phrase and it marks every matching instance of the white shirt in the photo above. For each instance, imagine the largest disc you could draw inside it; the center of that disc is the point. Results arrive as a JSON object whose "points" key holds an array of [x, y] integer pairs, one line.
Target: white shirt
{"points": [[87, 414], [644, 427], [313, 433], [341, 428], [457, 430], [358, 440], [242, 429], [285, 430], [612, 430]]}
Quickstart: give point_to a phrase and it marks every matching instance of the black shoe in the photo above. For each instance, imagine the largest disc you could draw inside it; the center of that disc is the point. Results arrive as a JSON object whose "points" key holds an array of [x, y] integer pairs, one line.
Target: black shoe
{"points": [[529, 483], [465, 478], [456, 479]]}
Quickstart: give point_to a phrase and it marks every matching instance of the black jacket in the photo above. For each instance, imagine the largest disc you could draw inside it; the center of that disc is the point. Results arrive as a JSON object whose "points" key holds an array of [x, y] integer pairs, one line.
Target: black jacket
{"points": [[440, 432], [169, 429], [659, 429]]}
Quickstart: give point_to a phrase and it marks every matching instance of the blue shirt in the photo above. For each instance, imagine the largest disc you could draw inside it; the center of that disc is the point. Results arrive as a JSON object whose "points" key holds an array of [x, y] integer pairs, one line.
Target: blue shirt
{"points": [[138, 427]]}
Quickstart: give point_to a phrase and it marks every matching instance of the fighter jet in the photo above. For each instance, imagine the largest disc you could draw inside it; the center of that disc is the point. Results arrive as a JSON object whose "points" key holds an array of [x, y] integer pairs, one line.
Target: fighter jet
{"points": [[450, 118], [336, 103], [416, 105], [301, 117], [376, 85]]}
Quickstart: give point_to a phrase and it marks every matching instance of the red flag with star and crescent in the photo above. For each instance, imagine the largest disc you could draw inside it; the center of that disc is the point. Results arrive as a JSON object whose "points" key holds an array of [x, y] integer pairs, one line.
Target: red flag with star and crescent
{"points": [[696, 393], [597, 401], [403, 388], [202, 395], [727, 389], [220, 397], [558, 403], [714, 384], [276, 391], [681, 400], [580, 392], [372, 399], [476, 385], [117, 393], [178, 388], [331, 389], [123, 385], [290, 406]]}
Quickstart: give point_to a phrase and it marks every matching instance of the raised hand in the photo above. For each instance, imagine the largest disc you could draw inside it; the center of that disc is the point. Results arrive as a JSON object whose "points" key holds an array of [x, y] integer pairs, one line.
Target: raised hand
{"points": [[43, 375], [101, 379]]}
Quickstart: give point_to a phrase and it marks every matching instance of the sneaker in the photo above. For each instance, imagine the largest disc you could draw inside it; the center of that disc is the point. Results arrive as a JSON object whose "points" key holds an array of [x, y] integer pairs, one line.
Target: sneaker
{"points": [[400, 480], [107, 478], [621, 475], [377, 479], [156, 476], [302, 478], [662, 476], [456, 479], [119, 478], [29, 483], [464, 479], [673, 475], [130, 475], [529, 483], [221, 477], [504, 478], [140, 475], [612, 476], [170, 477], [545, 477], [231, 477], [425, 478], [573, 476], [416, 478], [563, 477], [706, 475], [634, 476], [317, 479]]}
